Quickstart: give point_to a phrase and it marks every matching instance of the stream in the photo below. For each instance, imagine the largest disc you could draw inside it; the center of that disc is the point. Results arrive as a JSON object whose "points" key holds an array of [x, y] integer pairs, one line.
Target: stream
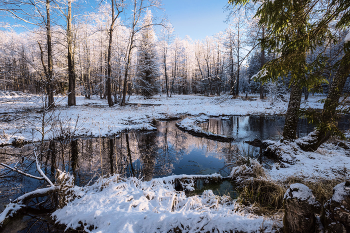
{"points": [[145, 155]]}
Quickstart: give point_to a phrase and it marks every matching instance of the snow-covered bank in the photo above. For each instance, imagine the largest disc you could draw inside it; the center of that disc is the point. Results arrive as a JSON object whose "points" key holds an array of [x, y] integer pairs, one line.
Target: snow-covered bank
{"points": [[329, 161], [130, 205], [95, 118], [190, 125]]}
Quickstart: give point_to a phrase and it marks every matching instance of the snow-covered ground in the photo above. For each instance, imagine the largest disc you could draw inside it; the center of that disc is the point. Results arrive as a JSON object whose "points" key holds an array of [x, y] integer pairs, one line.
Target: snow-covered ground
{"points": [[94, 118], [130, 205], [329, 161]]}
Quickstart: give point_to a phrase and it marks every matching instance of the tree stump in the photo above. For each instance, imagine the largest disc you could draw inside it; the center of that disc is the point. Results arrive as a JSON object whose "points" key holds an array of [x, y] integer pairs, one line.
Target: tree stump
{"points": [[300, 207], [336, 212]]}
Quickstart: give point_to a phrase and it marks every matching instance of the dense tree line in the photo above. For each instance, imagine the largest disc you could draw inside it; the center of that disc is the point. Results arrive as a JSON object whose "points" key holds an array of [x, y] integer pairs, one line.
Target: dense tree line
{"points": [[99, 54]]}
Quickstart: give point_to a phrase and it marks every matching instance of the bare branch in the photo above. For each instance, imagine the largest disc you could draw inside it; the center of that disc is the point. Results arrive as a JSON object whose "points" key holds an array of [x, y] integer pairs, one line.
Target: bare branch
{"points": [[22, 173], [41, 172], [18, 17]]}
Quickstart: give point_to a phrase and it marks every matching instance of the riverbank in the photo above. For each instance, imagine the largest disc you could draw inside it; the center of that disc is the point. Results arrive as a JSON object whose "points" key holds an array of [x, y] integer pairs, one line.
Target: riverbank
{"points": [[156, 205], [21, 118]]}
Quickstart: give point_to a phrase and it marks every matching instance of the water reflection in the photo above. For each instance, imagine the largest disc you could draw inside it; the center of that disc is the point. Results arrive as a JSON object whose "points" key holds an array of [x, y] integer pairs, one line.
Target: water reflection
{"points": [[244, 128], [145, 155]]}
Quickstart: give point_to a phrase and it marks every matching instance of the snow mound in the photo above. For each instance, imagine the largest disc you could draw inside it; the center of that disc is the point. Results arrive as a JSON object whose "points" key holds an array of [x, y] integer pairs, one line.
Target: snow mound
{"points": [[340, 191], [300, 192], [285, 151], [347, 38], [115, 204]]}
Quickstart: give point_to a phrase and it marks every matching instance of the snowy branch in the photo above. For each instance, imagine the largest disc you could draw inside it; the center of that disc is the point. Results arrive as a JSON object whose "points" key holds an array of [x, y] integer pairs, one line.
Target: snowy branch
{"points": [[22, 173], [41, 172]]}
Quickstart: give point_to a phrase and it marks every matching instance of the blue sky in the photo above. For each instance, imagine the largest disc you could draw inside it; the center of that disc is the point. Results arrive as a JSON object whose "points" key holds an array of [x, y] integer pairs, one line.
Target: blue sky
{"points": [[196, 18]]}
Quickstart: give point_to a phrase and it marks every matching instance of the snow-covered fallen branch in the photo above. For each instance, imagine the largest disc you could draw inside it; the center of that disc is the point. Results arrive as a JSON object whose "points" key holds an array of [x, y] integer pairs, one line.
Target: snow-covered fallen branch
{"points": [[190, 125], [21, 201]]}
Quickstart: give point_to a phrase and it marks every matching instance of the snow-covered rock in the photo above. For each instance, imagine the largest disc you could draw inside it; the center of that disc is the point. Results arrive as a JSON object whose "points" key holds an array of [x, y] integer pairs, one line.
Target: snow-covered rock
{"points": [[337, 210], [300, 208]]}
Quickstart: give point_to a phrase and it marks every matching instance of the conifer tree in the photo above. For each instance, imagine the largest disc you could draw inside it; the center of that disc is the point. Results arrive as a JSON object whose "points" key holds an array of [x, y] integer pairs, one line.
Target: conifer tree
{"points": [[293, 35], [147, 63]]}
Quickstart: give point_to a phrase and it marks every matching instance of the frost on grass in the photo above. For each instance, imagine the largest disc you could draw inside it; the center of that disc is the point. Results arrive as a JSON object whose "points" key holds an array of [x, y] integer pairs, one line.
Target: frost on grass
{"points": [[130, 205]]}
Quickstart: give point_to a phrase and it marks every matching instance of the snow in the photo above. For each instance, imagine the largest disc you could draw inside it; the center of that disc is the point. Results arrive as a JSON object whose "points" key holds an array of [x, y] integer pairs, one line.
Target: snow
{"points": [[262, 73], [191, 124], [130, 205], [340, 191], [10, 209], [347, 38], [36, 192], [95, 118], [328, 162], [300, 192]]}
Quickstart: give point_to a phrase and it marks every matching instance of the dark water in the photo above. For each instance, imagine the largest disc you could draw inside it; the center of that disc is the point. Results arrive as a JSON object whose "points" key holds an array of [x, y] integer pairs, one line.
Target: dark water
{"points": [[145, 155]]}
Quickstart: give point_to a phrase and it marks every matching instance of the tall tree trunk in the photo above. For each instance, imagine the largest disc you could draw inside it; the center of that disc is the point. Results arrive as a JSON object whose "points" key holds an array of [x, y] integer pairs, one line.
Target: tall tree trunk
{"points": [[329, 114], [71, 69], [292, 116], [166, 74], [299, 74], [238, 65], [262, 64], [88, 73], [49, 76], [125, 84], [109, 67], [232, 77]]}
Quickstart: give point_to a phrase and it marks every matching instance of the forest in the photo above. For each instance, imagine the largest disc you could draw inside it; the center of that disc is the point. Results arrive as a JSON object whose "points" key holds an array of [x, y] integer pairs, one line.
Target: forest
{"points": [[102, 62], [108, 112]]}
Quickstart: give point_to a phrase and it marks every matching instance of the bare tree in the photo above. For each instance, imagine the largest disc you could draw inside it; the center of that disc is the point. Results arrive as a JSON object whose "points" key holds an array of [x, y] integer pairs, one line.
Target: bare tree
{"points": [[33, 12], [117, 7], [139, 7]]}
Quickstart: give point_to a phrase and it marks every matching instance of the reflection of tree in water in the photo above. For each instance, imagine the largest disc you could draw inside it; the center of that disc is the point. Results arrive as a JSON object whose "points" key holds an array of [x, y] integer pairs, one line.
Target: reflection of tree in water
{"points": [[148, 154], [185, 143], [168, 142], [140, 154]]}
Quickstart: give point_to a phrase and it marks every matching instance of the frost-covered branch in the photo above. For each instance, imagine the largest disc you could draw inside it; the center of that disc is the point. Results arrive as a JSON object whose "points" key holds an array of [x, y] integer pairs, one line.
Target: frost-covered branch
{"points": [[41, 172], [21, 172]]}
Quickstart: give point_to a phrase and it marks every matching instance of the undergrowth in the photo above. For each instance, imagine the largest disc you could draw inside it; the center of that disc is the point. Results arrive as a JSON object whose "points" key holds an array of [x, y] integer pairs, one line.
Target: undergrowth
{"points": [[263, 196]]}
